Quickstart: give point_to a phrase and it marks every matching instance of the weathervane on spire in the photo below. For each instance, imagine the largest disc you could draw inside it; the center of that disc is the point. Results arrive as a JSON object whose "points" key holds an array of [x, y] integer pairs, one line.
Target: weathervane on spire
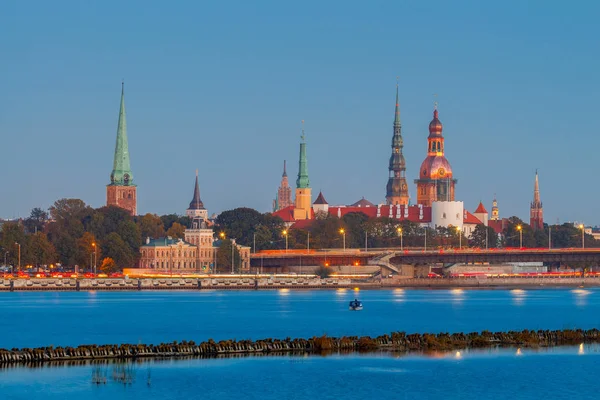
{"points": [[302, 137], [435, 103]]}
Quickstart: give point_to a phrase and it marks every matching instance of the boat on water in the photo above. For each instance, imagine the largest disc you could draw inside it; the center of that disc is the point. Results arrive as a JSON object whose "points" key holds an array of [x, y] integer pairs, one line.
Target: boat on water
{"points": [[355, 305]]}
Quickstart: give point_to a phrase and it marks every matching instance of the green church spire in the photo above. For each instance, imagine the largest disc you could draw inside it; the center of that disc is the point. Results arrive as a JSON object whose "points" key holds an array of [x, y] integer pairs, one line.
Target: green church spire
{"points": [[121, 174], [302, 182]]}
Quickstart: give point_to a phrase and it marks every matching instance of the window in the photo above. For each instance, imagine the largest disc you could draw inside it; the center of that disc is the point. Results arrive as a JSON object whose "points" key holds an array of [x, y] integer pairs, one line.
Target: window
{"points": [[444, 215]]}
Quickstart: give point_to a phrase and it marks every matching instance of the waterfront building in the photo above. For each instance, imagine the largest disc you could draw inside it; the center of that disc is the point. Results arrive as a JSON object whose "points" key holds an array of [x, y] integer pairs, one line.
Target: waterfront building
{"points": [[397, 189], [435, 182], [168, 255], [121, 191], [302, 207], [536, 211], [284, 193]]}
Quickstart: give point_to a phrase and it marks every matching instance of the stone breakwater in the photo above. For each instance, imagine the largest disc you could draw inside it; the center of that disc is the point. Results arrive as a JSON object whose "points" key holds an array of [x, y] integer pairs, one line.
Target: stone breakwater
{"points": [[183, 283], [396, 341]]}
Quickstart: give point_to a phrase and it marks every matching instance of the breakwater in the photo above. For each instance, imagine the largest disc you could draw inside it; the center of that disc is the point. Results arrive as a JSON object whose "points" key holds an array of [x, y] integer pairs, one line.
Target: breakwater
{"points": [[174, 283], [396, 341]]}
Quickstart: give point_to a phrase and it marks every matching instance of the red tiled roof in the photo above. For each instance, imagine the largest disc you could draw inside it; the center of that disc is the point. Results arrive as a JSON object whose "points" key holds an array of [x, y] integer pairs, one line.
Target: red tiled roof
{"points": [[286, 214], [415, 213], [481, 209], [469, 218], [302, 224]]}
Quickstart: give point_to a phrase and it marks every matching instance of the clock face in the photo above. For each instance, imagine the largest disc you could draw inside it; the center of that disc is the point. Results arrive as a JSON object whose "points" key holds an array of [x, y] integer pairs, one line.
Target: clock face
{"points": [[441, 172], [403, 186]]}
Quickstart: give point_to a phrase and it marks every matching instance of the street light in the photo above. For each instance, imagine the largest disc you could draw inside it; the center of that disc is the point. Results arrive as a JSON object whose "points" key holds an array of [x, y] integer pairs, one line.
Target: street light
{"points": [[582, 227], [401, 238], [285, 233], [95, 257], [19, 262], [5, 254], [459, 237], [343, 232], [520, 229]]}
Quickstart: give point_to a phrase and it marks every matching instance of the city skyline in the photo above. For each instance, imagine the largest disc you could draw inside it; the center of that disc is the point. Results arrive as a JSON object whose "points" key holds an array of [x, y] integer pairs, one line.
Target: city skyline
{"points": [[239, 140]]}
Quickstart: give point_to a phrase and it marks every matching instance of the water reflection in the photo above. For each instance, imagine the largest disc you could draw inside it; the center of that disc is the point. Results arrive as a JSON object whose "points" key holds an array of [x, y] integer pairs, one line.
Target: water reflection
{"points": [[398, 295], [581, 296], [518, 296], [458, 295], [581, 349]]}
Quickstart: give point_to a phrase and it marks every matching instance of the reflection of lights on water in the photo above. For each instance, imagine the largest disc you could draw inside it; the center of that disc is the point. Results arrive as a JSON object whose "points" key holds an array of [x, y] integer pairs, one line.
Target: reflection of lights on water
{"points": [[399, 291], [581, 349], [284, 292], [399, 295], [340, 292], [457, 292], [581, 292], [519, 353], [518, 296], [457, 355], [356, 289]]}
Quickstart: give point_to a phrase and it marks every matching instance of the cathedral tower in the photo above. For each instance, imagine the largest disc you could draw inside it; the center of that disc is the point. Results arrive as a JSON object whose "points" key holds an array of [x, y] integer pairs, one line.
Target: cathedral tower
{"points": [[435, 182], [397, 190], [495, 212], [284, 193], [303, 204], [121, 191], [536, 211]]}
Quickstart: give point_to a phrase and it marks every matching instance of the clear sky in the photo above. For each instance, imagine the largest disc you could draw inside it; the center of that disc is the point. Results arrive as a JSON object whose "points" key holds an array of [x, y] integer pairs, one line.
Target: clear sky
{"points": [[222, 86]]}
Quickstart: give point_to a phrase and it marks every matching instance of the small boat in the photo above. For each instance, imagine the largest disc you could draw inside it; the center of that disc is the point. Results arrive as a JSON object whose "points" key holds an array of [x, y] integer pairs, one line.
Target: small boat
{"points": [[355, 305]]}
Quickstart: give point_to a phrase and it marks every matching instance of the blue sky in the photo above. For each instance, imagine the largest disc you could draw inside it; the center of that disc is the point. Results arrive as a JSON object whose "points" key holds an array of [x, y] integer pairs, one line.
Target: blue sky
{"points": [[222, 87]]}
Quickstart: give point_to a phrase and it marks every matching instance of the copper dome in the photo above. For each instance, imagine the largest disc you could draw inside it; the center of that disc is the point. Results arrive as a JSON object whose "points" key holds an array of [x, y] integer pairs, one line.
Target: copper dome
{"points": [[435, 126], [435, 167]]}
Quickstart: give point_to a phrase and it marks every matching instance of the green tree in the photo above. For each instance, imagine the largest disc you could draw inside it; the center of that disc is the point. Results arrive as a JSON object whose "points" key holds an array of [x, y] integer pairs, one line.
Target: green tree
{"points": [[41, 251], [151, 225], [243, 223], [36, 220], [176, 231], [114, 247], [512, 235], [11, 234], [87, 253], [354, 226], [478, 237], [224, 257]]}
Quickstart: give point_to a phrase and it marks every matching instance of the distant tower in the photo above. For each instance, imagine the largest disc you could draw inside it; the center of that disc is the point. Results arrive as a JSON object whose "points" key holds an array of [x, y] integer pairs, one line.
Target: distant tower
{"points": [[121, 191], [495, 213], [284, 193], [320, 206], [435, 181], [302, 208], [396, 189], [481, 214], [536, 212], [196, 210]]}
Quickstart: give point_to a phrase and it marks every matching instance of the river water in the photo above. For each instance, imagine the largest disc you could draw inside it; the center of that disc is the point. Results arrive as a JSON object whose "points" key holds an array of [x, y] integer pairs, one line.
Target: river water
{"points": [[30, 319]]}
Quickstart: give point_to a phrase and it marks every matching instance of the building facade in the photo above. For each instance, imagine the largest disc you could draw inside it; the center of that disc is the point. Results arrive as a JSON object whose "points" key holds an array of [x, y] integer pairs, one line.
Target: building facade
{"points": [[284, 193], [200, 234], [121, 191], [168, 255], [436, 182], [303, 203], [397, 189], [536, 211]]}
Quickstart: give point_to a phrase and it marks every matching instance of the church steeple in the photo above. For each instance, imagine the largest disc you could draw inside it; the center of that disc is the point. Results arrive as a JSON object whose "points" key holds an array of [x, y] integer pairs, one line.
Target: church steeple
{"points": [[303, 201], [302, 181], [397, 189], [536, 210], [121, 191], [196, 209], [284, 193], [121, 173]]}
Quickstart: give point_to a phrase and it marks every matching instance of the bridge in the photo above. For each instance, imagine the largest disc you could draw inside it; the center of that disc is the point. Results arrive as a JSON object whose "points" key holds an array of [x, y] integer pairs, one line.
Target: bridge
{"points": [[391, 258]]}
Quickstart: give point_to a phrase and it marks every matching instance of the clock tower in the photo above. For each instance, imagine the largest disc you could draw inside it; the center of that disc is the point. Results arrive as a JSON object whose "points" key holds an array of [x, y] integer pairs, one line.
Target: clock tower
{"points": [[435, 182], [121, 191]]}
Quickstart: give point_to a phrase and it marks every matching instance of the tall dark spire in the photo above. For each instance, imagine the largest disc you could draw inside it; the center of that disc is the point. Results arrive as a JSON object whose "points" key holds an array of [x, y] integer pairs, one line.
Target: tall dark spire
{"points": [[302, 181], [284, 170], [397, 189], [536, 210], [196, 203]]}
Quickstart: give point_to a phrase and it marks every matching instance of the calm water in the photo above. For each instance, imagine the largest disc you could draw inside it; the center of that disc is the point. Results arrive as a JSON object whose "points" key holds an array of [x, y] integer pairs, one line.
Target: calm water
{"points": [[40, 319], [558, 374], [33, 319]]}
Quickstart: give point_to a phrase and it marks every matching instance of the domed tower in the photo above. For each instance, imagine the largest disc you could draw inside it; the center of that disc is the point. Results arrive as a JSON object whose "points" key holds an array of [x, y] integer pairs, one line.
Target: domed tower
{"points": [[435, 182], [397, 189], [495, 211]]}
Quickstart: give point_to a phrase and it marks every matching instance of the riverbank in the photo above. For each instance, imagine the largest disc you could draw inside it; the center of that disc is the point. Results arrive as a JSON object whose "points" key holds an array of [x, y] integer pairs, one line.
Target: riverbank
{"points": [[274, 282], [396, 341]]}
